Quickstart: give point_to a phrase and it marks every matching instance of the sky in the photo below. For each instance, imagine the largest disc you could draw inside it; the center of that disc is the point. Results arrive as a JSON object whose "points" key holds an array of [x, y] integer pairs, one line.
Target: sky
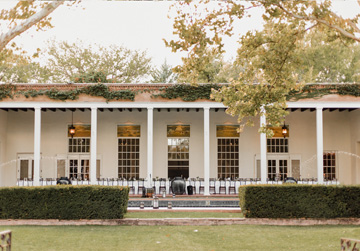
{"points": [[137, 25]]}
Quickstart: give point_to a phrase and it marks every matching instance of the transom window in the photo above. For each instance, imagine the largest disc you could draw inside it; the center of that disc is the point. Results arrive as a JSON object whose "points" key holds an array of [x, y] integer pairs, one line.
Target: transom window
{"points": [[277, 145], [329, 163], [228, 158], [128, 151], [79, 145]]}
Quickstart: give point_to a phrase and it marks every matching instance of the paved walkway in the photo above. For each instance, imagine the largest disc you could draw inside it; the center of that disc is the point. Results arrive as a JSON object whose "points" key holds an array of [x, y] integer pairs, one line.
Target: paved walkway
{"points": [[187, 209], [183, 222]]}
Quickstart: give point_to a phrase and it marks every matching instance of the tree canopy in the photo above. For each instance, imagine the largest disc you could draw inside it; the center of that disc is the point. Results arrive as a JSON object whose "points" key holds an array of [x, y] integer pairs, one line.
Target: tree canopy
{"points": [[164, 74], [270, 58], [75, 62], [15, 65]]}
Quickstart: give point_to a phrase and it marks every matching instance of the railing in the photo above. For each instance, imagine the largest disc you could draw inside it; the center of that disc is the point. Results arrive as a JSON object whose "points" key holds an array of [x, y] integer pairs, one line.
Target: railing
{"points": [[350, 244], [5, 240], [216, 186]]}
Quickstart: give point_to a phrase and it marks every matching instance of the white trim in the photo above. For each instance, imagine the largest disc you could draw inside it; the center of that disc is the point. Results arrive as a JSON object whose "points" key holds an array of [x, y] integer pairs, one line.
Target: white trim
{"points": [[93, 145], [150, 145], [37, 142], [319, 145], [154, 105], [206, 150], [263, 150], [319, 104]]}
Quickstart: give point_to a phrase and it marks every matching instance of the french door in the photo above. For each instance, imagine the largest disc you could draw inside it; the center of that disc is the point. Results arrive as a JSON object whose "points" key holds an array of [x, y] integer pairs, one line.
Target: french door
{"points": [[178, 157], [278, 168], [76, 166], [79, 167]]}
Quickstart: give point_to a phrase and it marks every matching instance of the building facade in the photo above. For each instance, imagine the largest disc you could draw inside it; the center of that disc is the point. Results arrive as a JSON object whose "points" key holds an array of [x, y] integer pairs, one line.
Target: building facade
{"points": [[154, 137]]}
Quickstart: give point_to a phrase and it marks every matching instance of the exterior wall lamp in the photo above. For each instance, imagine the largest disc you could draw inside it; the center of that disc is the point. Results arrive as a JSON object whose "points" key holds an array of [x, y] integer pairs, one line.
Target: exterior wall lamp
{"points": [[284, 130]]}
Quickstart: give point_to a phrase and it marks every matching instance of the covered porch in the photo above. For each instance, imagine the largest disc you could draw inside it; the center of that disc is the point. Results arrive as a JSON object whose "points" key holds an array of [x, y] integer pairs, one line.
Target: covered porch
{"points": [[35, 145]]}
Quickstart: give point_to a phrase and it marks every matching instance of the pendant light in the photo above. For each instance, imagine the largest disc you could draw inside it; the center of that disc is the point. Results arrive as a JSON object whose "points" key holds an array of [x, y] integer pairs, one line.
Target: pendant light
{"points": [[72, 128], [284, 130]]}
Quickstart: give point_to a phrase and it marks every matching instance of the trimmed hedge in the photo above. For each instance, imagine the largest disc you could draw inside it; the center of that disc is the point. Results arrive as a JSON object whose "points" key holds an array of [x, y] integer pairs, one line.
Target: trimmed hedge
{"points": [[63, 202], [300, 201]]}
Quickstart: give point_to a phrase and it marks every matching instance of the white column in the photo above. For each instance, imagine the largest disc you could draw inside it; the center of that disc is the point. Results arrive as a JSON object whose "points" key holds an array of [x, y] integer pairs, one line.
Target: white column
{"points": [[263, 160], [37, 141], [319, 145], [206, 150], [93, 146], [150, 145]]}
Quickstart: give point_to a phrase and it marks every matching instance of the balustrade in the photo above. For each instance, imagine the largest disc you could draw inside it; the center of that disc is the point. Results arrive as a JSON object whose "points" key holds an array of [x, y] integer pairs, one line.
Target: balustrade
{"points": [[216, 186]]}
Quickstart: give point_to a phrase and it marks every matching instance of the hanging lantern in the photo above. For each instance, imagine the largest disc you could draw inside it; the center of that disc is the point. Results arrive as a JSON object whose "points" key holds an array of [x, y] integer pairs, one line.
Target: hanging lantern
{"points": [[284, 130], [72, 127]]}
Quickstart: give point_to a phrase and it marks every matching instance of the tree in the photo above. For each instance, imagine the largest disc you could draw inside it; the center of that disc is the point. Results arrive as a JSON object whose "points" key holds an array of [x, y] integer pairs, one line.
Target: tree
{"points": [[332, 61], [270, 58], [18, 68], [15, 65], [74, 62], [164, 74], [34, 13]]}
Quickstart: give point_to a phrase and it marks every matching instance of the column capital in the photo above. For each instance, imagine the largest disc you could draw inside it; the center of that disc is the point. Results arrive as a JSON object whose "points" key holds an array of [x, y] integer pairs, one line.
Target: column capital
{"points": [[319, 108], [206, 108], [150, 108]]}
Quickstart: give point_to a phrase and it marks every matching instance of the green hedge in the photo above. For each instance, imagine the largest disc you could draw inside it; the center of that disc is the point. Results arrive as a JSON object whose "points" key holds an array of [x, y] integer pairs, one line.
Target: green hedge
{"points": [[300, 201], [63, 202]]}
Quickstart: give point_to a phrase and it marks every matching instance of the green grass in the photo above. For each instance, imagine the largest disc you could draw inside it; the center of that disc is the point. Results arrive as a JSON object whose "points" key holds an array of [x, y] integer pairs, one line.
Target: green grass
{"points": [[173, 214], [236, 237]]}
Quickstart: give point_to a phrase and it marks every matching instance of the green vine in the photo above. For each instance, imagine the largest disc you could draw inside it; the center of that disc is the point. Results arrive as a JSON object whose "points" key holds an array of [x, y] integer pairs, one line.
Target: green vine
{"points": [[187, 92], [184, 91], [97, 90], [6, 91], [316, 91]]}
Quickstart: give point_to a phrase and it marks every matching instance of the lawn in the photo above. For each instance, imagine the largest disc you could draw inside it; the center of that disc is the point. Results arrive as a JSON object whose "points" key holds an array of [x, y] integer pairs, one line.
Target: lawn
{"points": [[236, 237]]}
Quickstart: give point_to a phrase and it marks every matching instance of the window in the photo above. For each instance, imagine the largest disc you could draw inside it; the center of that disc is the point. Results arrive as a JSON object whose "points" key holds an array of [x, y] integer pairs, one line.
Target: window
{"points": [[277, 145], [128, 151], [228, 157], [178, 157], [80, 143], [26, 169], [329, 162]]}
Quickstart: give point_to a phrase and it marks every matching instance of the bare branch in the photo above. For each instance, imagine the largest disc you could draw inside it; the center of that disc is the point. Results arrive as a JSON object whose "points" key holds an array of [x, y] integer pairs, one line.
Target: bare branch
{"points": [[11, 34], [348, 21]]}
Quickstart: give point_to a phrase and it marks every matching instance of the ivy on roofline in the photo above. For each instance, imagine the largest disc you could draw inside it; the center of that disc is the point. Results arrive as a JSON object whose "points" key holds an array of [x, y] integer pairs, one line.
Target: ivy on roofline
{"points": [[97, 90], [183, 91]]}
